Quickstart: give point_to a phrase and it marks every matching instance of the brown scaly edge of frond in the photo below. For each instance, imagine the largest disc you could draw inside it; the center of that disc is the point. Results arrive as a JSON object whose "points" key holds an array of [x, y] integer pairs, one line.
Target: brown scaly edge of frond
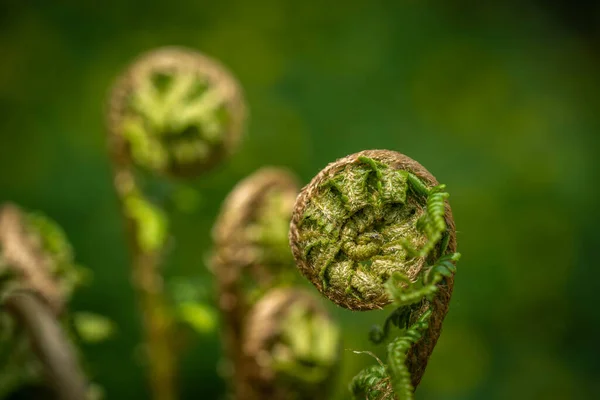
{"points": [[419, 354], [174, 58], [23, 253], [232, 257], [240, 207]]}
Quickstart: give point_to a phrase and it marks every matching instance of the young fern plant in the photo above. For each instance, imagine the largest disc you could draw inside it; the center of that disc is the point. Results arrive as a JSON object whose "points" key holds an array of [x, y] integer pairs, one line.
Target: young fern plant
{"points": [[375, 228], [174, 113], [291, 347], [269, 328], [37, 277]]}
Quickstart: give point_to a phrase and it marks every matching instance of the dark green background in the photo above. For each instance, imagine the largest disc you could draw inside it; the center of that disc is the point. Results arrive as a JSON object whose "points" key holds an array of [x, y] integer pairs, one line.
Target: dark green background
{"points": [[499, 102]]}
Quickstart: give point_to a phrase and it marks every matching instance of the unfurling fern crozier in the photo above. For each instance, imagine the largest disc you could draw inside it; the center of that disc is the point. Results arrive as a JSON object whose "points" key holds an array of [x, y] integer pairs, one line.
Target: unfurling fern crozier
{"points": [[370, 229], [251, 256], [291, 347]]}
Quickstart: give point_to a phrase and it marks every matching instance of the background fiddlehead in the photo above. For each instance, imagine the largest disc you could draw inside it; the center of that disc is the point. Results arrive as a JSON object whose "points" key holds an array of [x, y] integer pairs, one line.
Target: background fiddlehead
{"points": [[374, 228], [38, 276], [291, 347], [250, 233], [173, 112], [252, 257]]}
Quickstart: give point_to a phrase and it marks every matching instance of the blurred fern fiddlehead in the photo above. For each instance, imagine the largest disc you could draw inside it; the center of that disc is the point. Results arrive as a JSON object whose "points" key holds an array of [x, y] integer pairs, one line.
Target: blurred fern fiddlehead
{"points": [[291, 347], [37, 277], [270, 329], [375, 228], [173, 113]]}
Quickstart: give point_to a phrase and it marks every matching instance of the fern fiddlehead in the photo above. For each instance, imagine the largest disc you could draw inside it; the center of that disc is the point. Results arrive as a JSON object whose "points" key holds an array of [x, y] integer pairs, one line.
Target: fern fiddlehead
{"points": [[250, 233], [371, 229], [252, 261], [38, 276], [173, 113], [292, 344]]}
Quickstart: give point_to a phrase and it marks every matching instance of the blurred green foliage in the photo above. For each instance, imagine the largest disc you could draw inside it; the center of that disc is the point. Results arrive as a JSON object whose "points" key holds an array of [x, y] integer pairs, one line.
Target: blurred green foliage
{"points": [[500, 102]]}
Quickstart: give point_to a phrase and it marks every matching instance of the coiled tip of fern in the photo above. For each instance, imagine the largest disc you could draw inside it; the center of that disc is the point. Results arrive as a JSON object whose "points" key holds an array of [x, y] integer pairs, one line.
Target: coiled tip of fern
{"points": [[362, 220], [36, 252], [292, 346], [356, 223], [252, 228], [175, 111]]}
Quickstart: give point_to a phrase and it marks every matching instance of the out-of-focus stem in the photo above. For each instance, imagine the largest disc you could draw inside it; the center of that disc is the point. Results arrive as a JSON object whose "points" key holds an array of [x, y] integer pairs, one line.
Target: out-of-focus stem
{"points": [[148, 285], [232, 308], [50, 344]]}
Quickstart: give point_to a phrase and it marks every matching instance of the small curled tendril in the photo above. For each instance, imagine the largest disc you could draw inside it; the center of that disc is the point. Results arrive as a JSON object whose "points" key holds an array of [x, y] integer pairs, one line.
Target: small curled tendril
{"points": [[372, 383]]}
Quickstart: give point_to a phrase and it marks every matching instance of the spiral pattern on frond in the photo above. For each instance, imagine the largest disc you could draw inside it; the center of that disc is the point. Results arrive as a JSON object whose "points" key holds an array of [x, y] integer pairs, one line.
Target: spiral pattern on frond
{"points": [[292, 346], [359, 221], [175, 111], [372, 218], [372, 383]]}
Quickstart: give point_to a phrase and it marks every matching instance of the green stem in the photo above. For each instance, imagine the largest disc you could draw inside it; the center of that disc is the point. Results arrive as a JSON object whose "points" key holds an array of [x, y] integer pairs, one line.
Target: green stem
{"points": [[148, 284]]}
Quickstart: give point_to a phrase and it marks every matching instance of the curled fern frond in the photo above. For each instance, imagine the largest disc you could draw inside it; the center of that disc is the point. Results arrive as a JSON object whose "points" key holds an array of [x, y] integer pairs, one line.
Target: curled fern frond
{"points": [[375, 228], [364, 218], [251, 256], [292, 346], [251, 231], [38, 277], [35, 250], [175, 111]]}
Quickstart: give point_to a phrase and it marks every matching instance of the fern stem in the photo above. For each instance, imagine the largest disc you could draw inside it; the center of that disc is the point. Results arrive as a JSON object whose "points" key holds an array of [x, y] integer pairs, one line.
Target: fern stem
{"points": [[50, 344], [173, 112], [157, 319]]}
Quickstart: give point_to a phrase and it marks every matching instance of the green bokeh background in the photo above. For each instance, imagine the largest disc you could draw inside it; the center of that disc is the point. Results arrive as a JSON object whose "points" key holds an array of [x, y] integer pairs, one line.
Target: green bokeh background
{"points": [[500, 102]]}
